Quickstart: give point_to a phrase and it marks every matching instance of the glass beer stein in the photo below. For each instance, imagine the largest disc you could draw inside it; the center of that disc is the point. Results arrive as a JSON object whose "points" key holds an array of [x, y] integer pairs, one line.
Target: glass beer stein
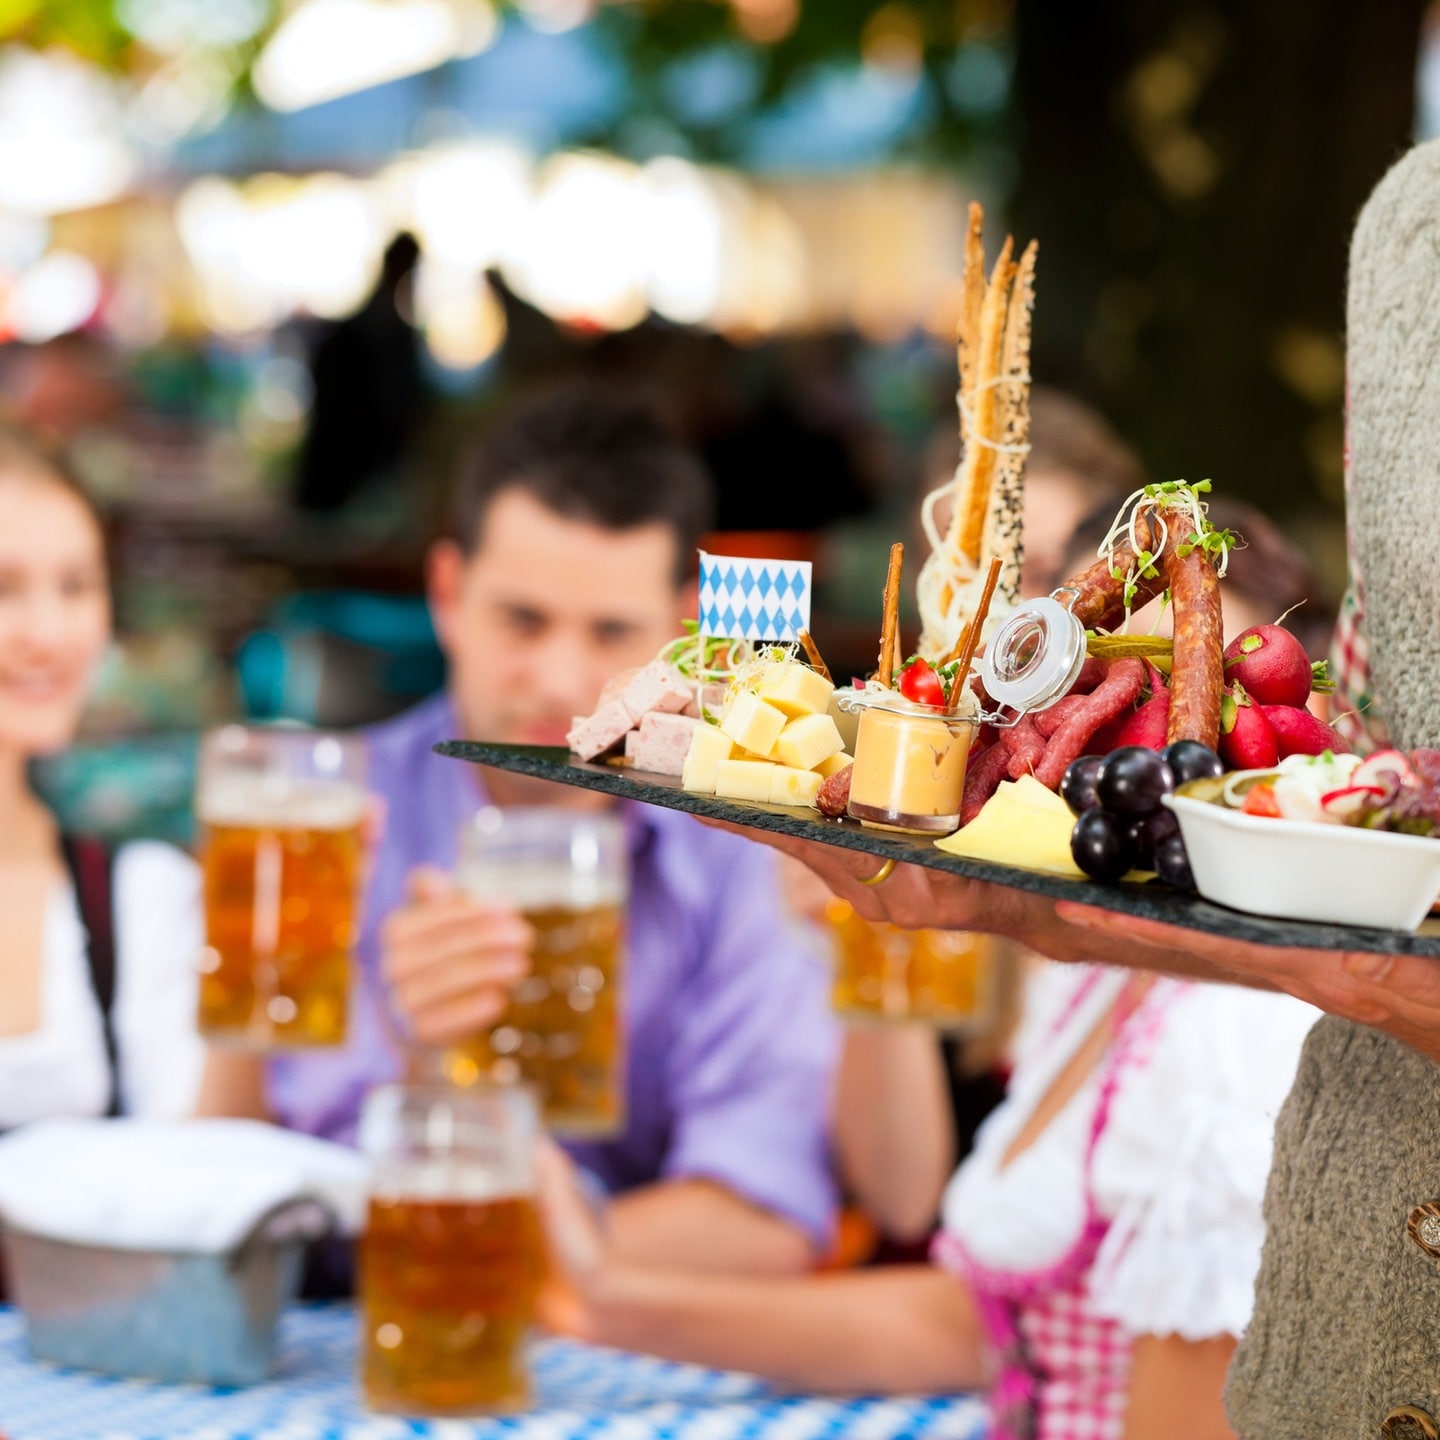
{"points": [[568, 874], [943, 977], [281, 813], [452, 1258]]}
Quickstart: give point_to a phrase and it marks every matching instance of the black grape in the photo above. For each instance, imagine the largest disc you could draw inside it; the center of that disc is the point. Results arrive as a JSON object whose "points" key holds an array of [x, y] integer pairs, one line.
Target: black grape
{"points": [[1101, 845], [1077, 789], [1190, 760], [1132, 780], [1172, 864]]}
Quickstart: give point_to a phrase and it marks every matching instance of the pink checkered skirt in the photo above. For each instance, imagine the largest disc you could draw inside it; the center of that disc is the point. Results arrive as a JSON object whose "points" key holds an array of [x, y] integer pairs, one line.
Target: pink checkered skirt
{"points": [[1063, 1369]]}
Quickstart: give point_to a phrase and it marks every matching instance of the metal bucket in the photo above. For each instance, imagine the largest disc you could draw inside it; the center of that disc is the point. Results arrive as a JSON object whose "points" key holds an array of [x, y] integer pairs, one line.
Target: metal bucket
{"points": [[177, 1316]]}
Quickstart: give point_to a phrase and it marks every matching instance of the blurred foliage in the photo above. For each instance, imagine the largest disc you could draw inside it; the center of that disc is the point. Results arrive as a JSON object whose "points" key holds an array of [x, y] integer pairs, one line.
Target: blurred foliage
{"points": [[91, 28], [778, 48]]}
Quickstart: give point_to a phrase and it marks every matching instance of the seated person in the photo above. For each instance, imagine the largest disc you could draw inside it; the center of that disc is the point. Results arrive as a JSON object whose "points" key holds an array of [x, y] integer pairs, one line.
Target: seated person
{"points": [[1099, 1245], [575, 525], [97, 958]]}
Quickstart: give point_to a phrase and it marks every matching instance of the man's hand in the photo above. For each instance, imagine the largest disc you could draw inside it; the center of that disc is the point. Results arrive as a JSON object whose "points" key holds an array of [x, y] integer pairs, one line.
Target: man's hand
{"points": [[450, 961], [1399, 994]]}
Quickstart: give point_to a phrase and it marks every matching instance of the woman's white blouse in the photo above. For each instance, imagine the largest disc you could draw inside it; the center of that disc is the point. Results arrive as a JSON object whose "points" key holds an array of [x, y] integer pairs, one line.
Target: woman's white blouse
{"points": [[60, 1069], [1179, 1171]]}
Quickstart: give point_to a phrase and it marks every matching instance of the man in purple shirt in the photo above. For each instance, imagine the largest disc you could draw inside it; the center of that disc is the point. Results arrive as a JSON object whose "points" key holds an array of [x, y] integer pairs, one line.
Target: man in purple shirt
{"points": [[573, 532]]}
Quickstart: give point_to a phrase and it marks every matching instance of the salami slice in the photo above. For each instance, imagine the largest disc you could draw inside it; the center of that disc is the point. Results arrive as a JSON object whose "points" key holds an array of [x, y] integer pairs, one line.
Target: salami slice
{"points": [[1118, 691]]}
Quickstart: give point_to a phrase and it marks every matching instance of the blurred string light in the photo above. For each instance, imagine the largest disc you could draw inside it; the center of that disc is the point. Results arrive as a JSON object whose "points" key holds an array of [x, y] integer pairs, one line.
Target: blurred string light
{"points": [[893, 41], [327, 48], [173, 27], [62, 145], [278, 244], [596, 242], [580, 260], [469, 204], [462, 317], [60, 292], [766, 22], [556, 16]]}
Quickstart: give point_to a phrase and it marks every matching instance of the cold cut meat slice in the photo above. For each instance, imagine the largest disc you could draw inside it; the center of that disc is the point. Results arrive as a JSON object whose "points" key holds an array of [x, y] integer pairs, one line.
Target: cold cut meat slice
{"points": [[982, 779], [1024, 745], [1119, 690]]}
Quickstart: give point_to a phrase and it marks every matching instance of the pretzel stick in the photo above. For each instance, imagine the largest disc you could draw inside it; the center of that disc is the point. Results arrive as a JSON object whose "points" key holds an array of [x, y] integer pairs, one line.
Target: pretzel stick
{"points": [[1003, 535], [972, 635], [812, 654], [968, 523], [972, 301], [890, 623]]}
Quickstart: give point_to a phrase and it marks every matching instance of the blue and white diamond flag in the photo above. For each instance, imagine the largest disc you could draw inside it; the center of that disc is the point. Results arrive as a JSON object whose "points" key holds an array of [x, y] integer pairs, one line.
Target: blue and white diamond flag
{"points": [[753, 599]]}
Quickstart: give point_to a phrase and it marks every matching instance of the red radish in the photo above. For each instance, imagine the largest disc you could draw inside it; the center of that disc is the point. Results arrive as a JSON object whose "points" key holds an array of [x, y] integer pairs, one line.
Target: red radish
{"points": [[1246, 740], [1145, 726], [1298, 732], [1271, 664]]}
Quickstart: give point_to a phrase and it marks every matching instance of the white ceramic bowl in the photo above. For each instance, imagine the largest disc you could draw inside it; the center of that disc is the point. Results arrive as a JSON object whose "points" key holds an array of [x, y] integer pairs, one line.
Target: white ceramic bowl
{"points": [[1300, 870]]}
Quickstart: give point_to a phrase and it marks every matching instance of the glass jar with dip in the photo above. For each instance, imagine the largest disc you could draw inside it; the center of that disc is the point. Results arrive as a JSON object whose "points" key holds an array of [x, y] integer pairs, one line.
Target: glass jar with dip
{"points": [[909, 771]]}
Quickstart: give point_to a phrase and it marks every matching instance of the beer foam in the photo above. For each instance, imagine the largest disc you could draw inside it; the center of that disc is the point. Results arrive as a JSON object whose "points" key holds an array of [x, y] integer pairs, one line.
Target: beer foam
{"points": [[452, 1178], [276, 803], [538, 885]]}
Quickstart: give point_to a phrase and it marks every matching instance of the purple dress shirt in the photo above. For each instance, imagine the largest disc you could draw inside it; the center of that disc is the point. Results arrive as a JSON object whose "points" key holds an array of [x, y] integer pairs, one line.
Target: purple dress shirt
{"points": [[731, 1042]]}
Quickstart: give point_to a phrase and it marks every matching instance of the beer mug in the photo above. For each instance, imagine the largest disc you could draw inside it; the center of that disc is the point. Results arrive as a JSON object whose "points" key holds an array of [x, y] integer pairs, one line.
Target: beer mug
{"points": [[943, 977], [281, 812], [568, 874], [452, 1258]]}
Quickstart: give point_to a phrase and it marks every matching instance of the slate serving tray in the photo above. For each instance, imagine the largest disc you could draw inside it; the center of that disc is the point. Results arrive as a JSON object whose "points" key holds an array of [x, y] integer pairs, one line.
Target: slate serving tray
{"points": [[1151, 901]]}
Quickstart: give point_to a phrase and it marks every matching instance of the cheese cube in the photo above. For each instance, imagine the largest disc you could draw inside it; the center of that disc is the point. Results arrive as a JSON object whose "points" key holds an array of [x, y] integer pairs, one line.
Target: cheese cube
{"points": [[752, 724], [834, 765], [708, 747], [806, 742], [744, 780], [795, 689], [789, 786]]}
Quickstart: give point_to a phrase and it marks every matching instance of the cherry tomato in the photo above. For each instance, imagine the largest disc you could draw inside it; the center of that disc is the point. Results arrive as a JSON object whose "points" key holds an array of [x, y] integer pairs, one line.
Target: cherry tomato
{"points": [[1260, 800], [920, 683]]}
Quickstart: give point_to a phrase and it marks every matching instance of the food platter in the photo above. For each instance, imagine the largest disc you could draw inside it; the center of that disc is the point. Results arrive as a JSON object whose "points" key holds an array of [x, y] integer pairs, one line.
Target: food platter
{"points": [[1149, 901]]}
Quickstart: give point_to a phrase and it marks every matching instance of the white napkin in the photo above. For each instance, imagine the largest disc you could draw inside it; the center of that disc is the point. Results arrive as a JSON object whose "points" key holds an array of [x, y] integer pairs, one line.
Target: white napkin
{"points": [[189, 1185]]}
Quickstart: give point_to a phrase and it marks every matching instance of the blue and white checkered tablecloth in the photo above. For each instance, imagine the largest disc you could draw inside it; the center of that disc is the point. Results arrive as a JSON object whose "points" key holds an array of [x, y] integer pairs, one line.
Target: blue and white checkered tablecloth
{"points": [[581, 1392]]}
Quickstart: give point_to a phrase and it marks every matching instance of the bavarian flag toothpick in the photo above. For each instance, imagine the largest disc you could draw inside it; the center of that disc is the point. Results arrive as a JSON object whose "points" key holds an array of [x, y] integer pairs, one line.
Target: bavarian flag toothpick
{"points": [[744, 599]]}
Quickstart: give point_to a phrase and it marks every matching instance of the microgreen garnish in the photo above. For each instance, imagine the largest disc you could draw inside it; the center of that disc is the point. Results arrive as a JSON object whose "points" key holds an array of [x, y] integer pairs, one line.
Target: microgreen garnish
{"points": [[1169, 497]]}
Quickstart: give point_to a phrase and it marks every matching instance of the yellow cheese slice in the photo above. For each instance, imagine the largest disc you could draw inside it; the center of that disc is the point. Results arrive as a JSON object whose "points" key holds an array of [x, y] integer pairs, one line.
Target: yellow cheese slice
{"points": [[789, 786], [836, 763], [744, 780], [795, 689], [808, 741], [708, 747], [1012, 831], [1024, 824], [751, 723]]}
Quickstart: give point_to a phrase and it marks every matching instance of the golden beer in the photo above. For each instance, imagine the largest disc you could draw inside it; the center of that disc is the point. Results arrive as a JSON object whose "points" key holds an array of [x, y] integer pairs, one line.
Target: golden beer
{"points": [[448, 1290], [282, 855], [561, 1033], [943, 977]]}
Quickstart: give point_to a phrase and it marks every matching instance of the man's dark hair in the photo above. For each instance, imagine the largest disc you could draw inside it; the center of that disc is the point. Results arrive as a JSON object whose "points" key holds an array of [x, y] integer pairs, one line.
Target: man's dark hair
{"points": [[591, 453]]}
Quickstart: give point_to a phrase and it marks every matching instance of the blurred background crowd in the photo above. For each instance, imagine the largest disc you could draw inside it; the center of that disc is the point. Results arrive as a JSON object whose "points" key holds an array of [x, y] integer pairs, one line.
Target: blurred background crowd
{"points": [[220, 220]]}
